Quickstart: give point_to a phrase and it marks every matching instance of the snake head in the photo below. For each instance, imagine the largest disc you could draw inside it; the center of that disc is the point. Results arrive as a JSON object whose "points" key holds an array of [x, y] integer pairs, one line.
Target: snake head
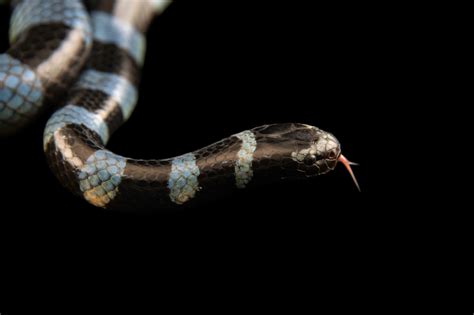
{"points": [[318, 151], [321, 154]]}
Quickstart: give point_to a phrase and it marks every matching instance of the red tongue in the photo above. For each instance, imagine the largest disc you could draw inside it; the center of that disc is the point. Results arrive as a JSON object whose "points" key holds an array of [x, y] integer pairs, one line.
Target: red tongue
{"points": [[348, 164]]}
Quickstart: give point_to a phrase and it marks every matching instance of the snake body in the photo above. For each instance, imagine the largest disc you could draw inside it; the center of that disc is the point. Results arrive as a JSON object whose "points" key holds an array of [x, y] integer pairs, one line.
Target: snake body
{"points": [[94, 58]]}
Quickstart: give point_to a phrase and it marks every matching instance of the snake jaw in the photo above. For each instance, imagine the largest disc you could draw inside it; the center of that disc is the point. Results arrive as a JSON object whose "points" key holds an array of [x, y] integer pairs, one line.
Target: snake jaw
{"points": [[348, 164]]}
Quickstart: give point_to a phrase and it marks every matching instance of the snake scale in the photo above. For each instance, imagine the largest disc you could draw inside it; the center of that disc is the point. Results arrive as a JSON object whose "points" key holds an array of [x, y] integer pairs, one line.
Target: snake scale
{"points": [[84, 59]]}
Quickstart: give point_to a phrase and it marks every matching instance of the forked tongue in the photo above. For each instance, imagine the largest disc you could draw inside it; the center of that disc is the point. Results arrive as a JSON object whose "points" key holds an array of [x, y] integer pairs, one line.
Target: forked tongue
{"points": [[348, 164]]}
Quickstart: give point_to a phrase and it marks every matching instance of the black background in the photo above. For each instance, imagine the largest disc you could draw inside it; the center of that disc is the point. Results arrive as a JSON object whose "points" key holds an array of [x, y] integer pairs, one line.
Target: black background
{"points": [[215, 68]]}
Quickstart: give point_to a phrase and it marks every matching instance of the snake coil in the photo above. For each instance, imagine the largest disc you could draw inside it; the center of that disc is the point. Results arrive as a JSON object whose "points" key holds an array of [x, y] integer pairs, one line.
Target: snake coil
{"points": [[88, 62]]}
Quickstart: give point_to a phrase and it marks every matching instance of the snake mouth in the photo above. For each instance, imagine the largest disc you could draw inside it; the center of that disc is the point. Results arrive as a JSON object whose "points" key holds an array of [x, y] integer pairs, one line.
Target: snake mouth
{"points": [[348, 164]]}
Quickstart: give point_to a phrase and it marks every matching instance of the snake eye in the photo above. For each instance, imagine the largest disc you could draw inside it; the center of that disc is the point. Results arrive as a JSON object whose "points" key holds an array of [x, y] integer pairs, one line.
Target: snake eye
{"points": [[309, 159]]}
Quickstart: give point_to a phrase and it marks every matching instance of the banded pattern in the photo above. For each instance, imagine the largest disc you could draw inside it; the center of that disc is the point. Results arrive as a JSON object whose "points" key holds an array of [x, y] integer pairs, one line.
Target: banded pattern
{"points": [[111, 30], [115, 86], [73, 114], [106, 89], [51, 40], [28, 14], [104, 97]]}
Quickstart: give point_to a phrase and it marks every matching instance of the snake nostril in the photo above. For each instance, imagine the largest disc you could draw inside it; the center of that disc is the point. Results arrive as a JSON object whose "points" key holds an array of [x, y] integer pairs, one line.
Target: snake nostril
{"points": [[332, 154]]}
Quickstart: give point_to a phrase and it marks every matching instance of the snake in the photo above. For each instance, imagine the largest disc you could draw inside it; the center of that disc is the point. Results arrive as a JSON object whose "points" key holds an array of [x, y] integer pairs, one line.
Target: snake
{"points": [[82, 61]]}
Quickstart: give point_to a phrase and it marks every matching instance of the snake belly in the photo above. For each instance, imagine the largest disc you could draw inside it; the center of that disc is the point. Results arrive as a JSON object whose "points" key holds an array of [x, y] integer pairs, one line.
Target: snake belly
{"points": [[103, 98]]}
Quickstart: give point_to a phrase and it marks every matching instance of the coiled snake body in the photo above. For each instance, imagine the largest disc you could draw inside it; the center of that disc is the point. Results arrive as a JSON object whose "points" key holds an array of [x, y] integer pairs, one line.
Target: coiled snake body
{"points": [[88, 62]]}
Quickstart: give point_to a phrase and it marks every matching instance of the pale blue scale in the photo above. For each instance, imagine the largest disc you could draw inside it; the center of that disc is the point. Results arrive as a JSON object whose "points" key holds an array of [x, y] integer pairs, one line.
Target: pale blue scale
{"points": [[112, 169], [12, 82], [101, 164], [15, 102], [24, 90], [68, 14], [117, 179], [108, 186], [89, 169], [104, 175], [112, 161], [101, 186], [94, 180], [35, 96], [99, 191], [28, 75], [84, 185], [181, 183], [16, 70], [100, 155], [5, 95]]}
